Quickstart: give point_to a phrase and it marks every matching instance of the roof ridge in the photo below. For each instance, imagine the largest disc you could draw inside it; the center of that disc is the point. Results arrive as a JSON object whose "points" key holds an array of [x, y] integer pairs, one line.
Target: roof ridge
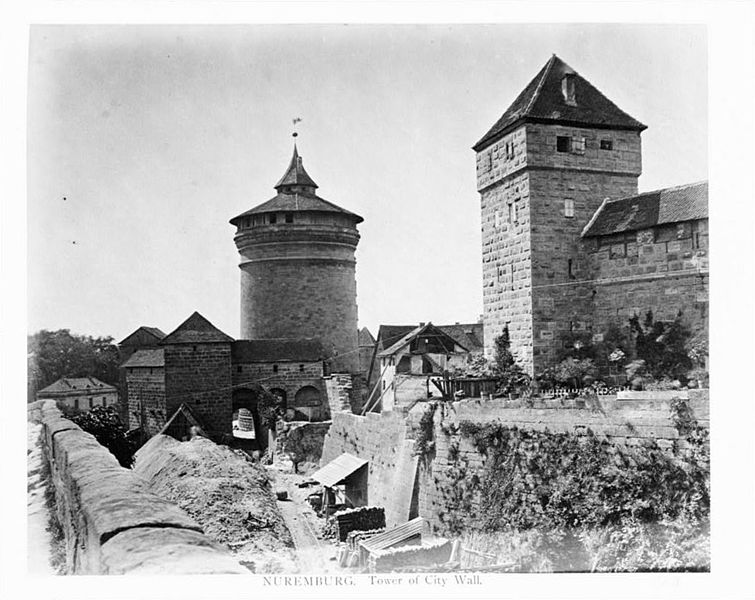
{"points": [[539, 87], [659, 190]]}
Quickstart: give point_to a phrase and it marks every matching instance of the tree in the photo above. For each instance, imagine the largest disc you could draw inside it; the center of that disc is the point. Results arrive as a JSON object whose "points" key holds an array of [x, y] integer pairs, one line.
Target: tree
{"points": [[105, 425], [56, 354], [510, 376], [662, 345]]}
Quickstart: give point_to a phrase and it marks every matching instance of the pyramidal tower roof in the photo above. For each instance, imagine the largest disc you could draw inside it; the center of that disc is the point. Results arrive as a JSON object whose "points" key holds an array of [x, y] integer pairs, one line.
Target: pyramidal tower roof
{"points": [[544, 100], [295, 174], [196, 329]]}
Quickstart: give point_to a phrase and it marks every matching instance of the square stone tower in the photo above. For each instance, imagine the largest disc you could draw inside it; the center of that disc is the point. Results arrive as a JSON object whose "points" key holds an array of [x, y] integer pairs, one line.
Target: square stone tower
{"points": [[543, 170]]}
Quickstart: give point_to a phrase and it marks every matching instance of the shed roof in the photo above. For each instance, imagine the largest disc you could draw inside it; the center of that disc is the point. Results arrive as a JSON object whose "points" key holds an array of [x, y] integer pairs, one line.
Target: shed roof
{"points": [[394, 536], [669, 205], [277, 350], [542, 101], [152, 357], [338, 469]]}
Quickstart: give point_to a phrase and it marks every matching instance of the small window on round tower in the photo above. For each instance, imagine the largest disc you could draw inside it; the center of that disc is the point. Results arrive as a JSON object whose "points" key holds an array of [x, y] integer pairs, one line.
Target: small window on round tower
{"points": [[289, 217], [273, 219]]}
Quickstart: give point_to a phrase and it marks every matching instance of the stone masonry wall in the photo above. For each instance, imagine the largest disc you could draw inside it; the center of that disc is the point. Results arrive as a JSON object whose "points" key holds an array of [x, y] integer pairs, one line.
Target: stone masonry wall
{"points": [[199, 375], [112, 524], [289, 377], [146, 398], [303, 298], [665, 269], [623, 422], [382, 439], [531, 253]]}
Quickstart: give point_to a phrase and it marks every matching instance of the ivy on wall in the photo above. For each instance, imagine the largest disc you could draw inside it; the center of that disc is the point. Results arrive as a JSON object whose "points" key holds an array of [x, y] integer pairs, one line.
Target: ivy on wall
{"points": [[539, 479]]}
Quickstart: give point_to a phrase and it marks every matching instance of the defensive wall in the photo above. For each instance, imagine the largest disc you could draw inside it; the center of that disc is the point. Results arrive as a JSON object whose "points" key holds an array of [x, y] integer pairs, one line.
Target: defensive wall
{"points": [[387, 440], [112, 524], [383, 439]]}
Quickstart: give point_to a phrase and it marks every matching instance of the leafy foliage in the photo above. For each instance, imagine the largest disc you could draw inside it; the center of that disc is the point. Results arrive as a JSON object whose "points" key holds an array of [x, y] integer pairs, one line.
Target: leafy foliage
{"points": [[56, 354], [662, 346], [105, 425], [270, 407], [539, 479], [425, 442], [510, 376]]}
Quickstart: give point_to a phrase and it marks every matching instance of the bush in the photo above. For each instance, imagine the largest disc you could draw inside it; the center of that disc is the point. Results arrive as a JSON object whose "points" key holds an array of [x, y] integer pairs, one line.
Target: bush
{"points": [[662, 345], [105, 425], [575, 373], [511, 378]]}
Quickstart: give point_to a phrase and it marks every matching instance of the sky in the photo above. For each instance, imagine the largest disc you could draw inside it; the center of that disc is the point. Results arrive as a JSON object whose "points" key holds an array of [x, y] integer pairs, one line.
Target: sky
{"points": [[143, 141]]}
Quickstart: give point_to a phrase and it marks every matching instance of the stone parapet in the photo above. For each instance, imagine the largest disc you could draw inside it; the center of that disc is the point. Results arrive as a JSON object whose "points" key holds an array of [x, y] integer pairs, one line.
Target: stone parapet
{"points": [[111, 522]]}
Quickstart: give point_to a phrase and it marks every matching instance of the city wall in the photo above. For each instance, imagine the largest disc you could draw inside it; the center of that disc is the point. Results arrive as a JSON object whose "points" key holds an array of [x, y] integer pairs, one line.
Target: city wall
{"points": [[111, 523], [383, 439]]}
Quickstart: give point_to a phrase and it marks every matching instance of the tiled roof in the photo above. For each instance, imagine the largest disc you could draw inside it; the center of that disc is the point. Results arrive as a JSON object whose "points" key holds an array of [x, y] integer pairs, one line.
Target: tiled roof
{"points": [[66, 385], [365, 337], [196, 330], [542, 101], [150, 331], [295, 174], [277, 350], [670, 205], [469, 335], [293, 202], [428, 329], [146, 358]]}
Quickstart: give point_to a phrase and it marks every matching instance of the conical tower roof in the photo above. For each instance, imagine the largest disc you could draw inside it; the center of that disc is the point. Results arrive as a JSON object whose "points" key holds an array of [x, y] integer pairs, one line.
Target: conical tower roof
{"points": [[543, 101], [295, 174]]}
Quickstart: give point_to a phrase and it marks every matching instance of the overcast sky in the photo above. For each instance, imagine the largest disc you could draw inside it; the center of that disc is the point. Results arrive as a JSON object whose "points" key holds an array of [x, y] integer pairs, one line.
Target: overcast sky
{"points": [[144, 141]]}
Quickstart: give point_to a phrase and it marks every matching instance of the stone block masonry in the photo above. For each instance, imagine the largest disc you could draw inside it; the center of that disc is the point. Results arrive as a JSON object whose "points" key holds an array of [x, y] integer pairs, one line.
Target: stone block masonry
{"points": [[200, 376], [383, 440], [624, 423], [112, 524]]}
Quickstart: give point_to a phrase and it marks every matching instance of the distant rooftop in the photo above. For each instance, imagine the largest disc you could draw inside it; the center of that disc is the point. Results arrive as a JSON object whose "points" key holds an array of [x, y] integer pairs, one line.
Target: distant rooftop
{"points": [[67, 385]]}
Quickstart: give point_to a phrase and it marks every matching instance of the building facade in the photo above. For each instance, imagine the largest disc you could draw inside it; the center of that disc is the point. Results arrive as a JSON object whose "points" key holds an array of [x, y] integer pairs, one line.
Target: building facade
{"points": [[80, 393], [544, 170]]}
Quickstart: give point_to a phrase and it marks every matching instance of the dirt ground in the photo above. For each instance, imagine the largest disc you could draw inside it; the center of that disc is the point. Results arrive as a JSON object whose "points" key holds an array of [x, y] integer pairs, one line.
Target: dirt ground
{"points": [[313, 553]]}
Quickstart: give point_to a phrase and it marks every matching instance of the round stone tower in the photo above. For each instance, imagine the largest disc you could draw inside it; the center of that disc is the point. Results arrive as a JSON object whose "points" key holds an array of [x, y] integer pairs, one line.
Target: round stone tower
{"points": [[298, 269]]}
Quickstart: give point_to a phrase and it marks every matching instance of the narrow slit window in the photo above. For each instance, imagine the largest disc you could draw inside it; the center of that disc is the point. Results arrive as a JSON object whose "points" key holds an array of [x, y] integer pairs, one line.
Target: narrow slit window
{"points": [[570, 268], [569, 208], [275, 368]]}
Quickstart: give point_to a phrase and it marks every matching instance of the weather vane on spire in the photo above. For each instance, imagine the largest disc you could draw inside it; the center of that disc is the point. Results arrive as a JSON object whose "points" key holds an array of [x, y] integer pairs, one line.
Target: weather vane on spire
{"points": [[295, 121]]}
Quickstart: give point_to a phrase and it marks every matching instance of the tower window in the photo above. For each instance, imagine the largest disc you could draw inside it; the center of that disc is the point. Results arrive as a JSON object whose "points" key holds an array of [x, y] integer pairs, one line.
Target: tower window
{"points": [[239, 369], [289, 217], [578, 145], [490, 161], [563, 143], [511, 213], [606, 144], [275, 368], [497, 219], [301, 368], [570, 268], [569, 207], [273, 219]]}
